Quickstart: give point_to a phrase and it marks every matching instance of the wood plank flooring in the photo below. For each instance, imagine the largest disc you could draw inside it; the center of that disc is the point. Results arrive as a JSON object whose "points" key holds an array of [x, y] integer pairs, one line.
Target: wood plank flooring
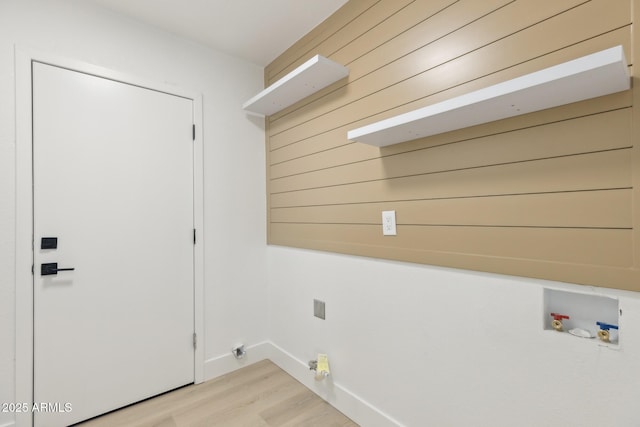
{"points": [[259, 395]]}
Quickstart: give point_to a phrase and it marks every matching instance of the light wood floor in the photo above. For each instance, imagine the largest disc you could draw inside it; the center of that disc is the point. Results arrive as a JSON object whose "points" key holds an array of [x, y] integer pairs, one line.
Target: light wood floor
{"points": [[260, 395]]}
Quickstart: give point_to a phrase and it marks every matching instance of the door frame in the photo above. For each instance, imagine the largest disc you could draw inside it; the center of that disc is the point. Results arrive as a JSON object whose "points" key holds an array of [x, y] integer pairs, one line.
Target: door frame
{"points": [[24, 250]]}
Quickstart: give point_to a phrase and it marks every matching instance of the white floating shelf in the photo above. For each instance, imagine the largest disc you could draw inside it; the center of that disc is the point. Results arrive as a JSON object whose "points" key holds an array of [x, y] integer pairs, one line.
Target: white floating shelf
{"points": [[594, 75], [315, 74]]}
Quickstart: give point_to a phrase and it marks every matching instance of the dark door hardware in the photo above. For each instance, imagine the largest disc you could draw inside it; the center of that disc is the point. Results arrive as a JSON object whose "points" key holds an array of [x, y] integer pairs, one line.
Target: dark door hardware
{"points": [[52, 268], [49, 243]]}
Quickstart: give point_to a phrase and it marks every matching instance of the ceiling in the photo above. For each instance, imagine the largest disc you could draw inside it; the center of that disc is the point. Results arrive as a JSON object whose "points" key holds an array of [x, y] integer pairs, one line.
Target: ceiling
{"points": [[255, 30]]}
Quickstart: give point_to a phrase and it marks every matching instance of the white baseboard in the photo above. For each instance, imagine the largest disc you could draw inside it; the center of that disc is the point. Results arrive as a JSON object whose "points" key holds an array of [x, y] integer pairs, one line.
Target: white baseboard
{"points": [[336, 395], [226, 363]]}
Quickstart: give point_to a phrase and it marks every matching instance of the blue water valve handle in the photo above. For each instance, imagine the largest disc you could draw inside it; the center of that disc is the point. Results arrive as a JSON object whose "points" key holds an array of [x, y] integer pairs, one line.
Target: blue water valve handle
{"points": [[606, 326]]}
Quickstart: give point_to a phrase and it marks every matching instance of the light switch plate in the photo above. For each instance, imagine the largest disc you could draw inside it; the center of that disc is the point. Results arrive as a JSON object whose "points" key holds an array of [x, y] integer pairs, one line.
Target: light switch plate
{"points": [[389, 223]]}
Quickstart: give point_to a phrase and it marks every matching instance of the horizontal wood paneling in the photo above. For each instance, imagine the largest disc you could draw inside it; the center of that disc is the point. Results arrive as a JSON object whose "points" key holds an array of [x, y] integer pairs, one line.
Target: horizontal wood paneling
{"points": [[583, 209], [548, 194], [599, 132], [372, 13], [402, 22], [330, 148], [425, 21], [308, 45], [570, 245], [597, 275], [602, 170], [385, 98], [437, 50]]}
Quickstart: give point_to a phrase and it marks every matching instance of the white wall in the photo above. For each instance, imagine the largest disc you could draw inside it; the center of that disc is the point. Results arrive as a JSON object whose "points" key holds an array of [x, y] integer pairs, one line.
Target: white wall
{"points": [[235, 284], [443, 347]]}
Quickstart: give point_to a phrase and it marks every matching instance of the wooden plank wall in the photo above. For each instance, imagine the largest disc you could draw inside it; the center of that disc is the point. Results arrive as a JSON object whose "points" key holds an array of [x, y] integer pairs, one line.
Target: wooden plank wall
{"points": [[547, 195]]}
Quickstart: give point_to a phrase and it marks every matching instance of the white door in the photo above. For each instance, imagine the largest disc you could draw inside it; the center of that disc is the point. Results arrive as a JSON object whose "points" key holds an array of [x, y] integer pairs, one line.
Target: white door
{"points": [[113, 183]]}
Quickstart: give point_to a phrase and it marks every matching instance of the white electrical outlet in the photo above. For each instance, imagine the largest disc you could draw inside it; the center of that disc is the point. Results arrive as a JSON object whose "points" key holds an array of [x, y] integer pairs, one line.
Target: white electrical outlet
{"points": [[389, 223]]}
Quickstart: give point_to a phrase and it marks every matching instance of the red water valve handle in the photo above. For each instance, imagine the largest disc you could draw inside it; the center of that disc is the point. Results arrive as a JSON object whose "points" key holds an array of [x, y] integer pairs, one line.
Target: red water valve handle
{"points": [[557, 316]]}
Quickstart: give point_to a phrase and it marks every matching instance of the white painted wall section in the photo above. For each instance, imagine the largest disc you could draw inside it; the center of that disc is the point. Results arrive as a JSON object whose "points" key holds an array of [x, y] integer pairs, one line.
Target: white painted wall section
{"points": [[436, 346], [235, 273]]}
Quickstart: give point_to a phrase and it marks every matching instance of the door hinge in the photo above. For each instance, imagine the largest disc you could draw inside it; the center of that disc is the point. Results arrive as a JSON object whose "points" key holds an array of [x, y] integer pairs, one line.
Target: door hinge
{"points": [[195, 340], [194, 132], [194, 236]]}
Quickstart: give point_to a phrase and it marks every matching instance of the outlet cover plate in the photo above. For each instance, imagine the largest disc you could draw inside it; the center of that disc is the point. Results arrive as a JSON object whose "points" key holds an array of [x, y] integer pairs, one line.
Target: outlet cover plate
{"points": [[389, 223], [318, 309]]}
